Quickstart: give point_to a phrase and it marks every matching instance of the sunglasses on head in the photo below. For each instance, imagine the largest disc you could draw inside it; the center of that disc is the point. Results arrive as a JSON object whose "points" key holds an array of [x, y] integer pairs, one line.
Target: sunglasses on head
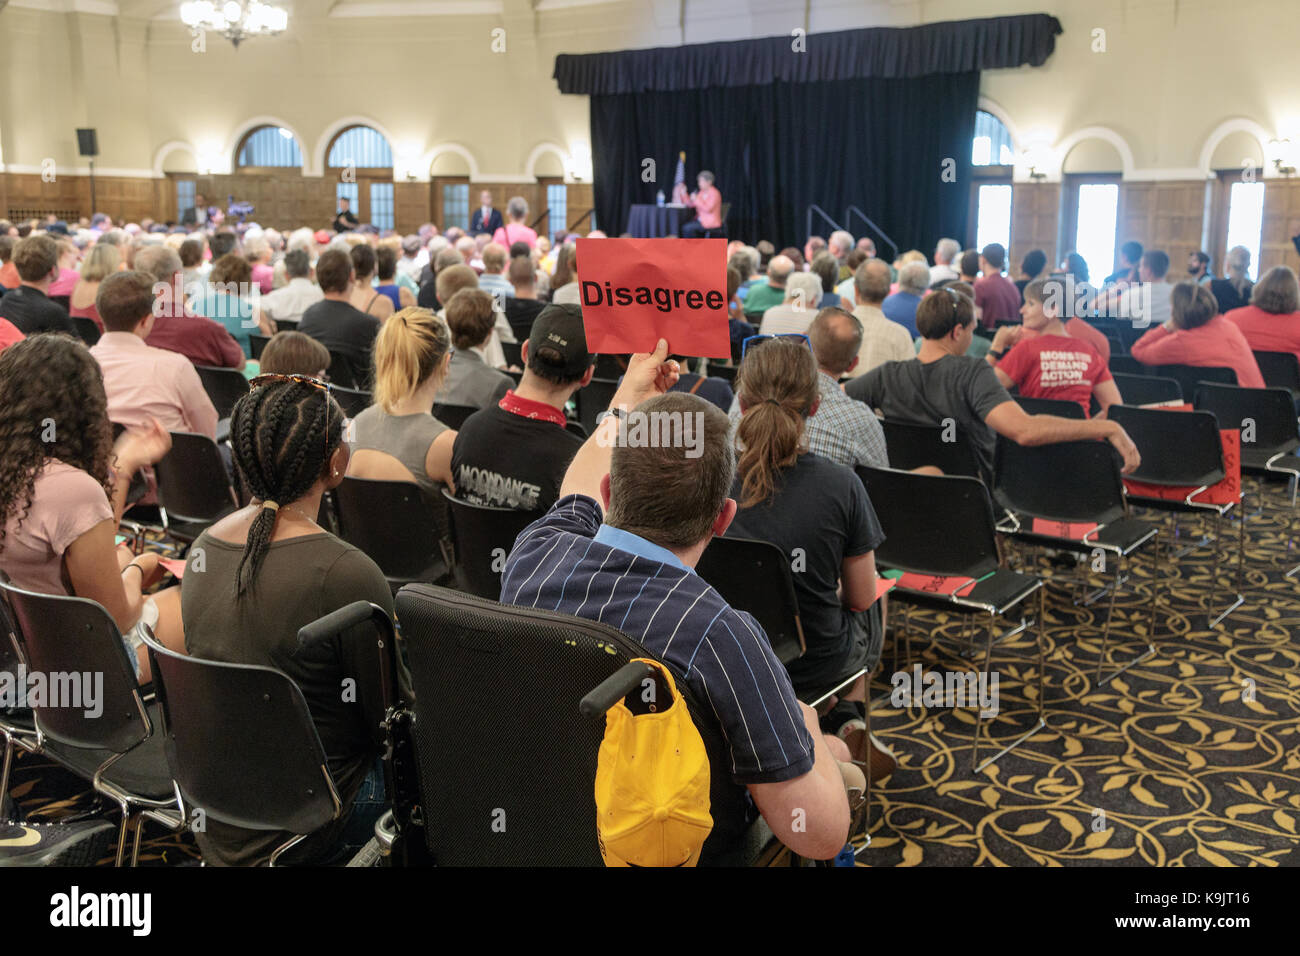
{"points": [[755, 340], [271, 377]]}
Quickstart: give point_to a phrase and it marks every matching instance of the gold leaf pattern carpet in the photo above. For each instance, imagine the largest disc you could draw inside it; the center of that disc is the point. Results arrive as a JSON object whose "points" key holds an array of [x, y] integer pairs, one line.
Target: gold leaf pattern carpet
{"points": [[1169, 764]]}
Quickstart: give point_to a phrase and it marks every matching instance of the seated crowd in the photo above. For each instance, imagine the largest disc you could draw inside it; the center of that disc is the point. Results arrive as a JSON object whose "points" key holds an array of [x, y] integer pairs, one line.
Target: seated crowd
{"points": [[468, 356]]}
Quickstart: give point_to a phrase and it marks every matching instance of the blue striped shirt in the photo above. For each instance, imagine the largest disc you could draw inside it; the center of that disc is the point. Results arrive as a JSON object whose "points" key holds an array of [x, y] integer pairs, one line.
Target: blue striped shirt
{"points": [[567, 561]]}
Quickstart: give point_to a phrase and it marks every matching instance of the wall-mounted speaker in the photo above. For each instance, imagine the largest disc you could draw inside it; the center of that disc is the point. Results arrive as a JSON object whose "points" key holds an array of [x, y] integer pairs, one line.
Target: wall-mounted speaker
{"points": [[87, 142]]}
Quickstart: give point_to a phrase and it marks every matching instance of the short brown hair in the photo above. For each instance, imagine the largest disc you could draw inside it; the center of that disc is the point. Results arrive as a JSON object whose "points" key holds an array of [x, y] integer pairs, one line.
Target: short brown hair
{"points": [[1191, 305], [35, 257], [124, 299], [521, 272], [191, 253], [450, 281], [363, 260], [494, 257], [1277, 291], [293, 353], [836, 337], [334, 270], [231, 269], [943, 310], [470, 318], [663, 494], [6, 247]]}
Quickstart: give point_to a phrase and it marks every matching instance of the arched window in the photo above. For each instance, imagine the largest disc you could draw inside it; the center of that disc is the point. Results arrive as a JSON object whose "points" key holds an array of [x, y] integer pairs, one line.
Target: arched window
{"points": [[992, 144], [269, 146], [366, 159], [360, 146]]}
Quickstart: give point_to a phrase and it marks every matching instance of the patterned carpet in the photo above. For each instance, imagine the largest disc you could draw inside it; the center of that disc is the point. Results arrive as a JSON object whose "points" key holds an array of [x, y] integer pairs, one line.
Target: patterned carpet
{"points": [[1190, 758]]}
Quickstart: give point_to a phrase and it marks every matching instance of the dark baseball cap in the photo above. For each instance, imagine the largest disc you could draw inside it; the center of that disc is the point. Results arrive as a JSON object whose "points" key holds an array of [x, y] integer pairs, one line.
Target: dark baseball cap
{"points": [[559, 327]]}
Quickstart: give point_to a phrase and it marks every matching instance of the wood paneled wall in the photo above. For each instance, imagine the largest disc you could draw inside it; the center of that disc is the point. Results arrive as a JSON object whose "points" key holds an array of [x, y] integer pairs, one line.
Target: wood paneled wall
{"points": [[280, 197]]}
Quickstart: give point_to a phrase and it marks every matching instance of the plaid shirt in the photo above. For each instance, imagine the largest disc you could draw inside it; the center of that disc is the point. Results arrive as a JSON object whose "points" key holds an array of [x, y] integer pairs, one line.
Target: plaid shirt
{"points": [[844, 430]]}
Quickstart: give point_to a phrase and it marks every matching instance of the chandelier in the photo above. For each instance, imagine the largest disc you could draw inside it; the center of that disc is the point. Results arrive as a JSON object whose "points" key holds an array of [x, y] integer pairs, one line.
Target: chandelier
{"points": [[235, 21]]}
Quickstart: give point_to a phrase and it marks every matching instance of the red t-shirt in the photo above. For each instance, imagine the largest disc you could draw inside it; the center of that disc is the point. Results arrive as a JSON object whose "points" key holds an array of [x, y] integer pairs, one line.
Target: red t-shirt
{"points": [[1055, 366], [1265, 331], [9, 334]]}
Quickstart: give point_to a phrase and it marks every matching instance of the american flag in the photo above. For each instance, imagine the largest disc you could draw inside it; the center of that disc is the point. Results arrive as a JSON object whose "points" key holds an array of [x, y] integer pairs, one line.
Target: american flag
{"points": [[679, 179]]}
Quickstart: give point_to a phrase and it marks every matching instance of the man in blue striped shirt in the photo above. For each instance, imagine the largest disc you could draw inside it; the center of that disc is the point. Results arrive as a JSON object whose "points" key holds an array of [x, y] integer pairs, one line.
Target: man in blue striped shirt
{"points": [[659, 475]]}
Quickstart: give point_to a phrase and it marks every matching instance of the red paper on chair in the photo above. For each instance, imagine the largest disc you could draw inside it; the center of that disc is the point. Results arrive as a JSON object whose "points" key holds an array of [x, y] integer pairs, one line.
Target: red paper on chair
{"points": [[884, 586], [935, 584], [175, 565], [1074, 530], [1227, 491], [635, 292]]}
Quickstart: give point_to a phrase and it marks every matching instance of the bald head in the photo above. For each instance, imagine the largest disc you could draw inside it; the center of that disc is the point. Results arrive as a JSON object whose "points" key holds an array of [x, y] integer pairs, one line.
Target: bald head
{"points": [[836, 337], [871, 282], [778, 271]]}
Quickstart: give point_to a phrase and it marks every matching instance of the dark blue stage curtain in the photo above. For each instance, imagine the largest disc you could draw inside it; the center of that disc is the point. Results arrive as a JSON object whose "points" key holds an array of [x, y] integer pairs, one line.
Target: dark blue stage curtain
{"points": [[868, 117]]}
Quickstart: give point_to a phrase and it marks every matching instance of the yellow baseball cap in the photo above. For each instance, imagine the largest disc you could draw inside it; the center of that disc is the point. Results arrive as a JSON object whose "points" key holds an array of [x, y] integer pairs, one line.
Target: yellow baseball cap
{"points": [[652, 780]]}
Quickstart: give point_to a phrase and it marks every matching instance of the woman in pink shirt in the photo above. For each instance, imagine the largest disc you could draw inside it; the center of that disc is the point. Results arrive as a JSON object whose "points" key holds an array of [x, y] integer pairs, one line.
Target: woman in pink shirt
{"points": [[69, 256], [1271, 323], [63, 490], [1197, 335], [515, 230]]}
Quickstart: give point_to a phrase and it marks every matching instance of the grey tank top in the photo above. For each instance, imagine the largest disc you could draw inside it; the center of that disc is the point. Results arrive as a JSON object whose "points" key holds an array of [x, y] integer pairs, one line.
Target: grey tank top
{"points": [[406, 437]]}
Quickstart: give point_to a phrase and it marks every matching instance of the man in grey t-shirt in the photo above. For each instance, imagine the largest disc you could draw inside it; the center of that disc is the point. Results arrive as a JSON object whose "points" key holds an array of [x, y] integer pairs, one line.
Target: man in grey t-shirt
{"points": [[944, 385]]}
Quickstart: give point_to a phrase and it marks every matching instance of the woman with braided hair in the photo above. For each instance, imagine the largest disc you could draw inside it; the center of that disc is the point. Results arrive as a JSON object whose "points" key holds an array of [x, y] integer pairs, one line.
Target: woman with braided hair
{"points": [[817, 511], [63, 489], [270, 568]]}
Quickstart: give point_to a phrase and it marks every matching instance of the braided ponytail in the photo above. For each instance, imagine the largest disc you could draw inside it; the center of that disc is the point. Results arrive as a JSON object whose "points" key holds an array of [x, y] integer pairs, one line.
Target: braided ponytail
{"points": [[777, 383], [284, 434]]}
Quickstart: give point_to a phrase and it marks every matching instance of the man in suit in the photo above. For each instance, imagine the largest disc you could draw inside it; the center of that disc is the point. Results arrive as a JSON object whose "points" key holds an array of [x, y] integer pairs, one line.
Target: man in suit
{"points": [[485, 218], [198, 214]]}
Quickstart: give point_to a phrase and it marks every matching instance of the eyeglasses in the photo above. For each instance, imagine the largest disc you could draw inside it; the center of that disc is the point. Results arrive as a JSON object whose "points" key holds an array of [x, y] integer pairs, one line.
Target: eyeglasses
{"points": [[755, 339], [259, 380]]}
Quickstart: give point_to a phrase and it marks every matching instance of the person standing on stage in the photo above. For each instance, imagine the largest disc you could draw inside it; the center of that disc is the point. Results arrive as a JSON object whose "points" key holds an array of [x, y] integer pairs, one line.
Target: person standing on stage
{"points": [[707, 203]]}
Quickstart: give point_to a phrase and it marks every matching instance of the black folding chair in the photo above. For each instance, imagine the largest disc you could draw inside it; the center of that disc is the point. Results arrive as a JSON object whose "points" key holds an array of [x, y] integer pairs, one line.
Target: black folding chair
{"points": [[610, 367], [1128, 334], [912, 446], [1126, 364], [1146, 389], [112, 744], [466, 653], [242, 747], [1269, 438], [727, 372], [1050, 406], [397, 525], [1189, 377], [453, 416], [1280, 370], [576, 428], [194, 489], [514, 353], [1076, 482], [483, 537], [287, 325], [1183, 450], [17, 729], [352, 401], [594, 399], [943, 526], [257, 343], [225, 386], [86, 328], [754, 576]]}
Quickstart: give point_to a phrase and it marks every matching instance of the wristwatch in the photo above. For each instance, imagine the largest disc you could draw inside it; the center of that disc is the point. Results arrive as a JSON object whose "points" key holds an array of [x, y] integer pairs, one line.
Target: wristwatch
{"points": [[996, 354], [618, 411]]}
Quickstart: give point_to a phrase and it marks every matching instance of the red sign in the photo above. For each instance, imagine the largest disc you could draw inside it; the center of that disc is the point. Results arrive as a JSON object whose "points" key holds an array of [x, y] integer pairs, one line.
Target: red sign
{"points": [[635, 292]]}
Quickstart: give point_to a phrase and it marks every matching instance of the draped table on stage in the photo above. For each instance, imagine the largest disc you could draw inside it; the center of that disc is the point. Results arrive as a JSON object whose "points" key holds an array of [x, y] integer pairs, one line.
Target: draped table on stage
{"points": [[648, 221]]}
